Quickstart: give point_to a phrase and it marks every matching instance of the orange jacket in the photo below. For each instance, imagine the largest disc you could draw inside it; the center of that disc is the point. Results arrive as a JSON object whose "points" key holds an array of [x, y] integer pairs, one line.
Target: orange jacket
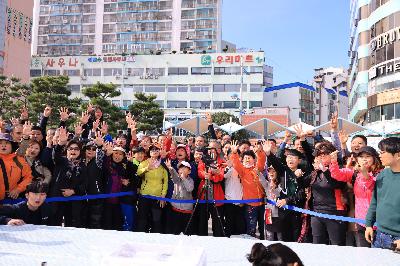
{"points": [[18, 172], [252, 188]]}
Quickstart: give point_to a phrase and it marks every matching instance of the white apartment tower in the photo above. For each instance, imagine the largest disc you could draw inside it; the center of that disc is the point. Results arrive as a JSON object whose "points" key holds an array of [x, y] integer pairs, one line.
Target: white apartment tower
{"points": [[100, 27]]}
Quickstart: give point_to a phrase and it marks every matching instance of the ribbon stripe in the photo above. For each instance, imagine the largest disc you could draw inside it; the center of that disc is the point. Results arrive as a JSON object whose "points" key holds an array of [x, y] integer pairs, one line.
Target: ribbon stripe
{"points": [[131, 193]]}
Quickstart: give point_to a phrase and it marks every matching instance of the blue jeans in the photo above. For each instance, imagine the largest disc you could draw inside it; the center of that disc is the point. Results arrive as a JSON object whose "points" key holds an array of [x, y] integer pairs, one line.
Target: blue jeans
{"points": [[128, 215], [254, 214], [383, 240]]}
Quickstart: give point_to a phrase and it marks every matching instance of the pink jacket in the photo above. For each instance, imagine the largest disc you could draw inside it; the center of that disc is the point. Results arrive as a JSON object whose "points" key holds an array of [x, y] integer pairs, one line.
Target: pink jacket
{"points": [[363, 187]]}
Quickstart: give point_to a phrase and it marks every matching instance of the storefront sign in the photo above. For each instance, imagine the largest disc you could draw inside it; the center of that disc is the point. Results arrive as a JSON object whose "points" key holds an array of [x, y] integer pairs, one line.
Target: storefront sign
{"points": [[384, 39], [388, 97], [111, 59], [231, 59], [384, 69]]}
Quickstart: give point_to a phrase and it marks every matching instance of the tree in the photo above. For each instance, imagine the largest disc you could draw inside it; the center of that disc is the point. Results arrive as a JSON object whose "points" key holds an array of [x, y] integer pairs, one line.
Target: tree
{"points": [[221, 118], [149, 116], [13, 96], [50, 91], [101, 94]]}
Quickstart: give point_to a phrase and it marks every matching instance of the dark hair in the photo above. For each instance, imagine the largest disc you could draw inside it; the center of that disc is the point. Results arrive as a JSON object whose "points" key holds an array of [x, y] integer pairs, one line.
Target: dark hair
{"points": [[294, 152], [202, 150], [122, 136], [324, 148], [249, 153], [390, 145], [36, 128], [244, 142], [32, 142], [37, 187], [364, 138], [272, 255], [272, 140], [73, 141], [227, 143], [139, 149]]}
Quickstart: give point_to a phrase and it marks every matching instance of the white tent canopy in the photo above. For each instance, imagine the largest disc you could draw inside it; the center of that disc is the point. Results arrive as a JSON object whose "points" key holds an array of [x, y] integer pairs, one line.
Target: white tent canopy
{"points": [[345, 125], [231, 127], [196, 125], [265, 127], [384, 128], [305, 127]]}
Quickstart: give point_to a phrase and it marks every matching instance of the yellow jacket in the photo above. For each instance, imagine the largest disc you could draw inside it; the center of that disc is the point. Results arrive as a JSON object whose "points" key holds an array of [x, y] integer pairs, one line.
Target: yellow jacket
{"points": [[154, 182]]}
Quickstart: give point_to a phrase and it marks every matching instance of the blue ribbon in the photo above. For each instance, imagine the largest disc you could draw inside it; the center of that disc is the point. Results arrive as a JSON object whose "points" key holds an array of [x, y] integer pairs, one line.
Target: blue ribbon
{"points": [[131, 193]]}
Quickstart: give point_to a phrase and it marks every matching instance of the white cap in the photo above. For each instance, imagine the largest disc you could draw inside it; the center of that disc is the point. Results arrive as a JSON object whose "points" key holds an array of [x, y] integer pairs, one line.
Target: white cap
{"points": [[119, 149], [139, 136], [184, 163]]}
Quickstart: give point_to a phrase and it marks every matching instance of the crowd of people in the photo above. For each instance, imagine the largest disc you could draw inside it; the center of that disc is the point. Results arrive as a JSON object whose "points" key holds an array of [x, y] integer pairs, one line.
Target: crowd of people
{"points": [[303, 170]]}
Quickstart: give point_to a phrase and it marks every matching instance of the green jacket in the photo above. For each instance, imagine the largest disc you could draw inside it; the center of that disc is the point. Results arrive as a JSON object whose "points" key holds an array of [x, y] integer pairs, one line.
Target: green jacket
{"points": [[154, 182], [385, 202]]}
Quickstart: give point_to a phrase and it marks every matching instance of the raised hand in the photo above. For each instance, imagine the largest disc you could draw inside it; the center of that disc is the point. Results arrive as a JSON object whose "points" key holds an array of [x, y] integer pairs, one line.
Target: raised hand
{"points": [[209, 118], [108, 146], [24, 113], [27, 130], [288, 136], [234, 146], [96, 124], [334, 122], [64, 114], [85, 118], [334, 156], [129, 118], [132, 126], [299, 132], [99, 141], [2, 124], [63, 136], [78, 129], [298, 173], [14, 121], [47, 111], [168, 164], [343, 137], [104, 128], [267, 148], [129, 156]]}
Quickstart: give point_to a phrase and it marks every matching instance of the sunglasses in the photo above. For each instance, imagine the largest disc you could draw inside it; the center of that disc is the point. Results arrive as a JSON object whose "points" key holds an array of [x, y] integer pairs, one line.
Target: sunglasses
{"points": [[73, 149]]}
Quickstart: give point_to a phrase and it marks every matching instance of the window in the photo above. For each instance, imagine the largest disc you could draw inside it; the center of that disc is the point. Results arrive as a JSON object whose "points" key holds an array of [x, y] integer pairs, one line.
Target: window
{"points": [[199, 88], [154, 88], [177, 71], [227, 71], [126, 103], [256, 69], [228, 88], [255, 104], [51, 72], [158, 72], [89, 72], [226, 104], [274, 104], [375, 114], [200, 104], [201, 70], [388, 111], [176, 104], [36, 73], [112, 71], [160, 103], [134, 72], [177, 88], [275, 95], [74, 88], [116, 102], [256, 88], [397, 111]]}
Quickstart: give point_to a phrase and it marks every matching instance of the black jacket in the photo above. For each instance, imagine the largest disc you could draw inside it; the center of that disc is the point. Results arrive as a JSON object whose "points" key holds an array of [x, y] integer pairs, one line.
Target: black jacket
{"points": [[67, 175], [21, 211], [94, 172]]}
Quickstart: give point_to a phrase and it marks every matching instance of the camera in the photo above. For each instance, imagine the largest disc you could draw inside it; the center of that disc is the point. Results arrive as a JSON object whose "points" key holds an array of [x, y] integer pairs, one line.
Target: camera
{"points": [[209, 160]]}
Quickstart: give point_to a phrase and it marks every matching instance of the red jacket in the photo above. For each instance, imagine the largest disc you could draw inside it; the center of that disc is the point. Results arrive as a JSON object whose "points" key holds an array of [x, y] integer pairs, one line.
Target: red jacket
{"points": [[216, 180]]}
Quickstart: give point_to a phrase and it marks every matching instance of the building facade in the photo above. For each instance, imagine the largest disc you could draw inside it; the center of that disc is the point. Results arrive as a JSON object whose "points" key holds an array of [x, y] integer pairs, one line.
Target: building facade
{"points": [[98, 27], [375, 62], [297, 97], [181, 82], [331, 94], [15, 38]]}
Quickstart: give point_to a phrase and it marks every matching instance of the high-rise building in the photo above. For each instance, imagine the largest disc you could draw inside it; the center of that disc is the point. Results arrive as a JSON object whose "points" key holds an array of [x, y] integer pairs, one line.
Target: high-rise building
{"points": [[374, 72], [100, 27], [15, 38]]}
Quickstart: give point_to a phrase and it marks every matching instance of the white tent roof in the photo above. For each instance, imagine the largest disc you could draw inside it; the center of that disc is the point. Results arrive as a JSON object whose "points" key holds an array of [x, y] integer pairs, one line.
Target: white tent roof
{"points": [[305, 127], [265, 127], [196, 125], [388, 128], [343, 124], [231, 127]]}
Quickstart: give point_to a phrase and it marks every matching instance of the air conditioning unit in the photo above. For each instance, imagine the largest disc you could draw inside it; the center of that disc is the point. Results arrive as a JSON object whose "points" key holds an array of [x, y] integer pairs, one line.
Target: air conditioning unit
{"points": [[128, 29]]}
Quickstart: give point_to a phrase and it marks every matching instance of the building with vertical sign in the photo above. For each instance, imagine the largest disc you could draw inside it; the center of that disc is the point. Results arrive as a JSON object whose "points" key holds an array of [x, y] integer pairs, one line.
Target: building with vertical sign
{"points": [[181, 82], [98, 27], [374, 73], [15, 38]]}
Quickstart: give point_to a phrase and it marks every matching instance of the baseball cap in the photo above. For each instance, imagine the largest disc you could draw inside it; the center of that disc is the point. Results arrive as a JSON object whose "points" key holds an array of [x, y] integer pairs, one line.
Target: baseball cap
{"points": [[184, 164], [119, 149]]}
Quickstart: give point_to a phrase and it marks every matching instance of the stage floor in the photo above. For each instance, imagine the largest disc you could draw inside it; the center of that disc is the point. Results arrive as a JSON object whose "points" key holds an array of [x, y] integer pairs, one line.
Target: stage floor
{"points": [[32, 245]]}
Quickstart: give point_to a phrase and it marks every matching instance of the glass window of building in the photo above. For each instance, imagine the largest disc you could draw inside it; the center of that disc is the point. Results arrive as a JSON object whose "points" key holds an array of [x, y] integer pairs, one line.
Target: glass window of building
{"points": [[116, 102], [200, 104], [255, 104], [155, 71], [375, 114], [90, 72], [397, 111], [154, 88], [74, 88], [234, 87], [199, 88], [256, 69], [201, 70], [126, 103], [112, 71], [256, 88], [35, 72], [227, 71], [176, 104], [134, 72], [72, 72], [51, 72], [160, 103], [388, 111], [137, 88], [177, 71]]}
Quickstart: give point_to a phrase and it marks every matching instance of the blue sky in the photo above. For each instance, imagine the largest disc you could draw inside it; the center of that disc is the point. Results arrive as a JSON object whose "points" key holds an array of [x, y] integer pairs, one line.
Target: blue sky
{"points": [[296, 35]]}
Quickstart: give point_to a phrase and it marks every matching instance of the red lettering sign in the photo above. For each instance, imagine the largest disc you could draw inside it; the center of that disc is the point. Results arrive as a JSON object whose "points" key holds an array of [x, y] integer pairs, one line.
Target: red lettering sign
{"points": [[73, 62], [50, 62]]}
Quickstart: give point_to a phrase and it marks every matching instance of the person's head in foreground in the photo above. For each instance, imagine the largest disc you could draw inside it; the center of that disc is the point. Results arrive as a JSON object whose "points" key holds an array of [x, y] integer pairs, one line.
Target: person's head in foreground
{"points": [[273, 255], [390, 151], [36, 193]]}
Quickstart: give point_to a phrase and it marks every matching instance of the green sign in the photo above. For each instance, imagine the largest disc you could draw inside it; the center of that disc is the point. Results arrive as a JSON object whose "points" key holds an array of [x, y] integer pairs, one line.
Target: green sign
{"points": [[206, 60]]}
